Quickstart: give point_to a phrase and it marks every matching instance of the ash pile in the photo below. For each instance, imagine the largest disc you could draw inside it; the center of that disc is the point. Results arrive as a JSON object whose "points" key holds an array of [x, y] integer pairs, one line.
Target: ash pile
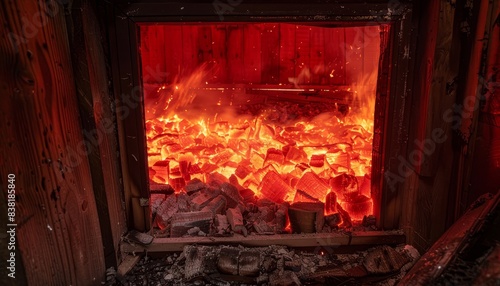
{"points": [[272, 266]]}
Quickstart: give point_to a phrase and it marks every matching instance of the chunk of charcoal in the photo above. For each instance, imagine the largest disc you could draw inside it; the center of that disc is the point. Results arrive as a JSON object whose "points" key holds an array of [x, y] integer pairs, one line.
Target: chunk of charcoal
{"points": [[346, 186], [221, 224], [162, 169], [194, 169], [215, 179], [274, 156], [261, 227], [281, 218], [293, 265], [228, 260], [216, 206], [275, 189], [266, 213], [331, 203], [184, 169], [313, 185], [301, 196], [296, 155], [269, 264], [364, 184], [242, 171], [177, 183], [358, 206], [233, 180], [182, 222], [317, 160], [183, 202], [200, 199], [235, 219], [346, 218], [161, 189], [194, 185], [166, 210], [232, 195], [333, 220], [285, 278], [248, 195], [155, 200], [369, 220], [248, 263]]}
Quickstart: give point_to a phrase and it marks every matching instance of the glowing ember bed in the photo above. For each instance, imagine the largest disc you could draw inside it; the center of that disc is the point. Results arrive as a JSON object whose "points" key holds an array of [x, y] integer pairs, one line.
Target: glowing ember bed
{"points": [[260, 128]]}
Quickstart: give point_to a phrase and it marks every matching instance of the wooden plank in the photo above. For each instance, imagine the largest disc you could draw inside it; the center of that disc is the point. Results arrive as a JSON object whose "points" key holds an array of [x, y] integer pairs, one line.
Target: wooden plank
{"points": [[252, 53], [291, 240], [173, 51], [319, 75], [455, 240], [287, 52], [127, 264], [189, 49], [157, 55], [204, 44], [334, 40], [220, 54], [354, 43], [95, 105], [56, 213], [302, 51], [235, 62], [270, 53]]}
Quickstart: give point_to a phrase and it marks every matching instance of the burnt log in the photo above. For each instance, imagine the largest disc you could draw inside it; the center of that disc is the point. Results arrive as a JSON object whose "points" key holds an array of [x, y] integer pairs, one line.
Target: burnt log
{"points": [[194, 186], [216, 206], [232, 194], [182, 222]]}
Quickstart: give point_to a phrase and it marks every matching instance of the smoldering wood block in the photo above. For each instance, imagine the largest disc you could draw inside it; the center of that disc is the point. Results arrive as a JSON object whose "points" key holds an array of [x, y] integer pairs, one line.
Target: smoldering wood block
{"points": [[248, 196], [216, 206], [155, 200], [234, 217], [162, 169], [167, 209], [345, 185], [232, 194], [317, 160], [183, 202], [182, 222], [242, 171], [161, 188], [266, 213], [233, 180], [281, 218], [346, 218], [221, 224], [194, 186], [313, 185], [384, 259], [248, 263], [261, 227], [306, 217], [331, 203], [274, 188], [228, 260], [274, 156], [301, 196], [202, 198], [177, 183]]}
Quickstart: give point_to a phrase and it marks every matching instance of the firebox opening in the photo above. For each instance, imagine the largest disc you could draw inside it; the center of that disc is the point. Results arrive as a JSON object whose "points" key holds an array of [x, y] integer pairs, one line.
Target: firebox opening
{"points": [[258, 122]]}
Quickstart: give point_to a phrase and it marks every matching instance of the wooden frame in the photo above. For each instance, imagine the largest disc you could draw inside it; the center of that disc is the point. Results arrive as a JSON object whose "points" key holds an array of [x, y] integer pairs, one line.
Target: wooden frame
{"points": [[392, 95]]}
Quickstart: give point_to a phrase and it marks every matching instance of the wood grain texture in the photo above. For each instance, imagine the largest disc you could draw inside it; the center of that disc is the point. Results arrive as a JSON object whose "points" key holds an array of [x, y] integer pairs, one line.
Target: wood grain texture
{"points": [[42, 143], [99, 122]]}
